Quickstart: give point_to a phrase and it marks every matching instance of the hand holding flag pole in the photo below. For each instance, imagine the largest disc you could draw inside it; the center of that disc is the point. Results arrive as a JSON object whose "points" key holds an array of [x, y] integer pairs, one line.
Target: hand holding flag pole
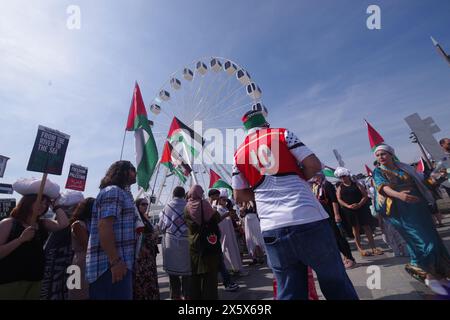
{"points": [[35, 215]]}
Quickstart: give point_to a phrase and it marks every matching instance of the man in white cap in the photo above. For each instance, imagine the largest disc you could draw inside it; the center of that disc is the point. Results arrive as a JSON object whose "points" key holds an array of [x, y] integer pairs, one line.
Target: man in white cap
{"points": [[271, 168]]}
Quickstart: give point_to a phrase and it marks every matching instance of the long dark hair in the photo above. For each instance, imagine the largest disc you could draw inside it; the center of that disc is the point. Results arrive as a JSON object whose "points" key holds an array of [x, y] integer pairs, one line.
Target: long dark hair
{"points": [[83, 211], [138, 203], [24, 208], [117, 174], [144, 219]]}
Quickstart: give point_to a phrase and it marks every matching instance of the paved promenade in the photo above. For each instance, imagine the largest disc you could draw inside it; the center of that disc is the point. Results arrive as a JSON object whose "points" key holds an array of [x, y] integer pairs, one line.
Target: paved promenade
{"points": [[396, 283]]}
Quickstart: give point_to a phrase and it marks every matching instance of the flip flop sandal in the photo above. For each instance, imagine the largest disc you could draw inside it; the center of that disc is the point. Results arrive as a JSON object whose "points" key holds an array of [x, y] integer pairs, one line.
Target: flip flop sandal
{"points": [[349, 264], [365, 253], [377, 251], [417, 274]]}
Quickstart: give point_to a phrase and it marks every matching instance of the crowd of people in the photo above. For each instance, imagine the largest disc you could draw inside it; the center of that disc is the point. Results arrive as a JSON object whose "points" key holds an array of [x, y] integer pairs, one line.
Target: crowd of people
{"points": [[281, 210]]}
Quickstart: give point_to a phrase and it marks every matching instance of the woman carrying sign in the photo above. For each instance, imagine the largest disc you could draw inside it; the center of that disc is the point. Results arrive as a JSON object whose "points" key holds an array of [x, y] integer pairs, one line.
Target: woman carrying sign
{"points": [[58, 251], [21, 242]]}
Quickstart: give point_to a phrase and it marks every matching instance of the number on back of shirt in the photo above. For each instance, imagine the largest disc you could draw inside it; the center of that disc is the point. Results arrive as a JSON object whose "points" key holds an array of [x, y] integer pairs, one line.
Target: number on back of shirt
{"points": [[263, 160]]}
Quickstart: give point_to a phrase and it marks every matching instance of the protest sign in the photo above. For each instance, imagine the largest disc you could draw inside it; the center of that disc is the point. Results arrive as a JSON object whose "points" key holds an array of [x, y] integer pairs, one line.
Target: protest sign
{"points": [[77, 177], [3, 161], [6, 188], [49, 151], [6, 206]]}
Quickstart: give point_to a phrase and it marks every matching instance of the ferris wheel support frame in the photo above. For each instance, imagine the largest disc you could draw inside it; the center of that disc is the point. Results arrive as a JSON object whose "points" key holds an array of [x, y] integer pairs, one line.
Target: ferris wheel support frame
{"points": [[203, 102], [216, 166], [161, 188]]}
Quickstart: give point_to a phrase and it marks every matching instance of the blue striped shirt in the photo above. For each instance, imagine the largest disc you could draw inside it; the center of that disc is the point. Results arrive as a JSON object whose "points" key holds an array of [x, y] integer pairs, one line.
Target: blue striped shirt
{"points": [[114, 202]]}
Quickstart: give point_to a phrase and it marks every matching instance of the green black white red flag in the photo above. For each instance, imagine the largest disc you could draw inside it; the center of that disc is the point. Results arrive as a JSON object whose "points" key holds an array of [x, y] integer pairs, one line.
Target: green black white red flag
{"points": [[173, 160], [375, 138], [369, 172], [181, 133], [146, 151], [216, 182]]}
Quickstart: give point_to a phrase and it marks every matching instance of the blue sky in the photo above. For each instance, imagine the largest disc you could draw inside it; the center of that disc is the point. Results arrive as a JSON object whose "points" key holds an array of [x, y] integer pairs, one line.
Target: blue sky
{"points": [[321, 70]]}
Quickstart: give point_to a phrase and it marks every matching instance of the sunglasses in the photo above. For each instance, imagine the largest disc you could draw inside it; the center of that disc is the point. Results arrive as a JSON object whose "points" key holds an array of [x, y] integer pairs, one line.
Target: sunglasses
{"points": [[144, 204]]}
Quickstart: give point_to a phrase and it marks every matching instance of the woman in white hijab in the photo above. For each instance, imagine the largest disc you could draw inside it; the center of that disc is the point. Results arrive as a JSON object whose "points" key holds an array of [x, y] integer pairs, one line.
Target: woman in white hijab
{"points": [[402, 197]]}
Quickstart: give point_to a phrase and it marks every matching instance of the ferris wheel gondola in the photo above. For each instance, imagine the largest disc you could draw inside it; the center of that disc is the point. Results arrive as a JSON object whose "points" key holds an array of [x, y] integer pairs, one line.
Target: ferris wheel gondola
{"points": [[217, 98]]}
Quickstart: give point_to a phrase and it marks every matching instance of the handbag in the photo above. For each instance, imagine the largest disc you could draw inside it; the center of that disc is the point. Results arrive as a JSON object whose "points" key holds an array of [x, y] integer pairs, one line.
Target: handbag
{"points": [[208, 243]]}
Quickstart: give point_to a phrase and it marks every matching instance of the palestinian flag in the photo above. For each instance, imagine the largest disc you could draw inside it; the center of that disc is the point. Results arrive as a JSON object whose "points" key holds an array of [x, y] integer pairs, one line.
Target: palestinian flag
{"points": [[375, 138], [173, 160], [420, 166], [369, 172], [146, 151], [181, 133], [216, 182], [328, 172]]}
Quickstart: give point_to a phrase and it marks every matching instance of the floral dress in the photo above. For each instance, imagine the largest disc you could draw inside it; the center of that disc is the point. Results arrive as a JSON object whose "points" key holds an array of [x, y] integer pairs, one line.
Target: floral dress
{"points": [[146, 275]]}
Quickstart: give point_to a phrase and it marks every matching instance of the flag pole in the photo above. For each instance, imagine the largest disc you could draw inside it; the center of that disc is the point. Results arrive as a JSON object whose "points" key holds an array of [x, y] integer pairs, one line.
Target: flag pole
{"points": [[154, 185], [188, 159], [207, 171], [217, 168], [162, 184], [427, 160], [39, 197], [141, 191], [123, 144]]}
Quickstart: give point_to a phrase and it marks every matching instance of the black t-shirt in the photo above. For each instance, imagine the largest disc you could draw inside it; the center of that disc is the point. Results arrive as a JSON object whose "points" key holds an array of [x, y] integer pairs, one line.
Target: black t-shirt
{"points": [[27, 262], [351, 194], [327, 197]]}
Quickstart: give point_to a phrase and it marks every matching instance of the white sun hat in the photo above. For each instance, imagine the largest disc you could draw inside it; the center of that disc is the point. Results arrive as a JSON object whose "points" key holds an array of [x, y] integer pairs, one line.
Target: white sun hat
{"points": [[26, 186], [341, 172], [223, 193], [70, 198]]}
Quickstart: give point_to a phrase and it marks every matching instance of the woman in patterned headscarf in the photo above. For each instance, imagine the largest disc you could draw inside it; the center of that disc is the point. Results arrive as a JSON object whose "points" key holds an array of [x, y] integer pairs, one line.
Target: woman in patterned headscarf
{"points": [[204, 281], [402, 197]]}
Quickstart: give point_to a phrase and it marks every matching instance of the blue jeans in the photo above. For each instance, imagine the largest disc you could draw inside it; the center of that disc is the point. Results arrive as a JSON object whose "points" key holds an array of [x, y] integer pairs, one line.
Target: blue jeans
{"points": [[292, 249], [104, 289]]}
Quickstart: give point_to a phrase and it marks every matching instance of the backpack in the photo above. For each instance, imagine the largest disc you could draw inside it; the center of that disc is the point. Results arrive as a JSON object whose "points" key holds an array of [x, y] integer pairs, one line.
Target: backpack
{"points": [[208, 240]]}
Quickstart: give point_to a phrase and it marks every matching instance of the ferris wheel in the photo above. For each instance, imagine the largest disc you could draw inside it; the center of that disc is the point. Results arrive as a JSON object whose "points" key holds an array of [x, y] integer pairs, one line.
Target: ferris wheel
{"points": [[214, 90]]}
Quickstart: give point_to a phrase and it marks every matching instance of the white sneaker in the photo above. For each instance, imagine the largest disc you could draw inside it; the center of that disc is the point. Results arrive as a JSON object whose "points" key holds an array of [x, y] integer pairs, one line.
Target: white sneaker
{"points": [[232, 287], [436, 287]]}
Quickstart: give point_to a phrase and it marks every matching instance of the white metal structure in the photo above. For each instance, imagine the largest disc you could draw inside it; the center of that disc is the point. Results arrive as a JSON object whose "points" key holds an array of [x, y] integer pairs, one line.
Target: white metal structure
{"points": [[218, 98]]}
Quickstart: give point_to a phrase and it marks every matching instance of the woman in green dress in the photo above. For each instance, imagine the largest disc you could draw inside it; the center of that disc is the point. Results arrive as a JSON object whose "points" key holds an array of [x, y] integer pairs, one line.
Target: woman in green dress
{"points": [[403, 198]]}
